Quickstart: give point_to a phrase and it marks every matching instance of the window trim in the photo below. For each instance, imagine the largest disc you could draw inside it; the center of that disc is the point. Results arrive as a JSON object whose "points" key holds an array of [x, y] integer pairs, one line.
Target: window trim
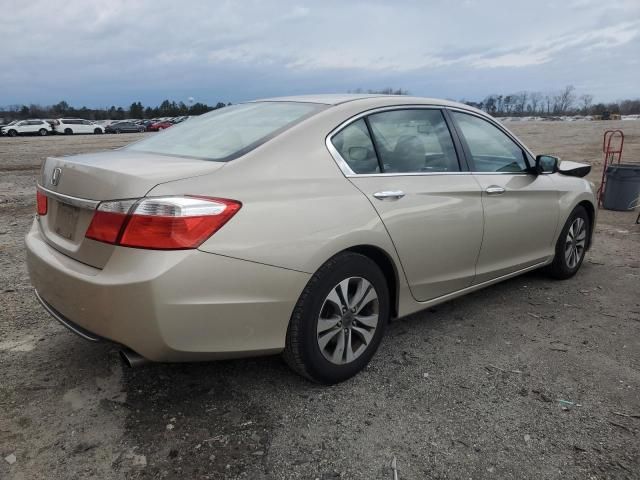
{"points": [[528, 155], [373, 144], [348, 172]]}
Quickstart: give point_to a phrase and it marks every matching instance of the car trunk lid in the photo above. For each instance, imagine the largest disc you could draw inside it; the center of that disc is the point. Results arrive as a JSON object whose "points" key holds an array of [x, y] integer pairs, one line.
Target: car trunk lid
{"points": [[75, 185]]}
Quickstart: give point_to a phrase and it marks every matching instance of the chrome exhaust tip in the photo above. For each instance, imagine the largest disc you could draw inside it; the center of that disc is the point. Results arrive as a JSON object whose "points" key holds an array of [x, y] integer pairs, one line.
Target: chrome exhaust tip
{"points": [[132, 359]]}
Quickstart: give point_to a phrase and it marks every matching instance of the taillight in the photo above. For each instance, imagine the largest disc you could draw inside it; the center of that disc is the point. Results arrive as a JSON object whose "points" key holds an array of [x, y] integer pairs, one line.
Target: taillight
{"points": [[41, 203], [108, 220], [166, 223]]}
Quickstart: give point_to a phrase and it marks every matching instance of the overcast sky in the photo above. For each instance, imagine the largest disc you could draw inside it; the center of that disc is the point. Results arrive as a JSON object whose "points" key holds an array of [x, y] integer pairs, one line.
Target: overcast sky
{"points": [[114, 52]]}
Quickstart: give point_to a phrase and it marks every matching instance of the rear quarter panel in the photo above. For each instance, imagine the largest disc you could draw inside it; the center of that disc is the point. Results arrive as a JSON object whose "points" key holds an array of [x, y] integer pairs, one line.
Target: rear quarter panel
{"points": [[298, 209]]}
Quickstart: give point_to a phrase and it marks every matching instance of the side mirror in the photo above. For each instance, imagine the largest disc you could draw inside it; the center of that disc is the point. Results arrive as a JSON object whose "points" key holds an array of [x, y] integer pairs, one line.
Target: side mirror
{"points": [[358, 154], [546, 164]]}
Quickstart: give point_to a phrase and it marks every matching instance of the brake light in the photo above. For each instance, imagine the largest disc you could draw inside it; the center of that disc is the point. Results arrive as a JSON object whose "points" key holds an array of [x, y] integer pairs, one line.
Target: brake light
{"points": [[108, 220], [167, 223], [41, 203]]}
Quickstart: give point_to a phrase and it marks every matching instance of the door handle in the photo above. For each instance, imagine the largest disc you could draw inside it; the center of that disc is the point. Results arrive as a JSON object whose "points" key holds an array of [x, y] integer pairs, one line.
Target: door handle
{"points": [[389, 195], [495, 190]]}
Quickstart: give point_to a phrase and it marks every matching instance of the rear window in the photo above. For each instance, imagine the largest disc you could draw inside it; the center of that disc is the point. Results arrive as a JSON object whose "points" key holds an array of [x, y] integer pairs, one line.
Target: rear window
{"points": [[228, 132]]}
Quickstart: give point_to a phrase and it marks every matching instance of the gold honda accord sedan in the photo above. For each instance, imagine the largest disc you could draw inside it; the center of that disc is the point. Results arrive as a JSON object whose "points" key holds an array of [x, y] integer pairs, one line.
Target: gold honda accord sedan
{"points": [[299, 225]]}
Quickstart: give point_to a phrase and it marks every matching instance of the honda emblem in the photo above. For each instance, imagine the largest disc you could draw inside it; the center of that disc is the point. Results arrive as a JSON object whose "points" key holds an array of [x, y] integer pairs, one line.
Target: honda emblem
{"points": [[55, 178]]}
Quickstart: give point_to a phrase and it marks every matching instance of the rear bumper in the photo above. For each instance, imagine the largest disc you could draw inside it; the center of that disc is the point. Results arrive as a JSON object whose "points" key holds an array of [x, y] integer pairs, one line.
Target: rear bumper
{"points": [[168, 305], [77, 329]]}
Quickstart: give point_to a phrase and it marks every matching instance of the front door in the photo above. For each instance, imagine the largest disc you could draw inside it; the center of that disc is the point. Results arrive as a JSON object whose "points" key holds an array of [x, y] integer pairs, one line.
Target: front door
{"points": [[520, 208], [405, 162]]}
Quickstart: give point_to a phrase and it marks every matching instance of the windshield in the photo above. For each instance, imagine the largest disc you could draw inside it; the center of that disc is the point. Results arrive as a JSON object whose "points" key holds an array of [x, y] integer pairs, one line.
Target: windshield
{"points": [[229, 132]]}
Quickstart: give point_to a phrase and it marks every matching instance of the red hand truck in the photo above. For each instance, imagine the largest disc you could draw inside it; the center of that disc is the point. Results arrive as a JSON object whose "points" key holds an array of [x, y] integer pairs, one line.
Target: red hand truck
{"points": [[612, 148]]}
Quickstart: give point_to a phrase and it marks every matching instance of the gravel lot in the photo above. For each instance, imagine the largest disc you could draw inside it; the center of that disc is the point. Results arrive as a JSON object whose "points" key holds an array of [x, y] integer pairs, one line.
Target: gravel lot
{"points": [[529, 379]]}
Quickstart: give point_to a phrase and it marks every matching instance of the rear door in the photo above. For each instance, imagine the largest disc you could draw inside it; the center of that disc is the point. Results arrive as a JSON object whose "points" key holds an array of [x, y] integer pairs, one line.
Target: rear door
{"points": [[85, 126], [29, 126], [405, 161], [520, 208]]}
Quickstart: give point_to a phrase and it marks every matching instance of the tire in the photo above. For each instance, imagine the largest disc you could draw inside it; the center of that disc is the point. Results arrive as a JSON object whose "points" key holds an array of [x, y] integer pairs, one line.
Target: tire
{"points": [[97, 131], [141, 130], [42, 132], [303, 351], [571, 247], [12, 133], [117, 130], [68, 131], [160, 129]]}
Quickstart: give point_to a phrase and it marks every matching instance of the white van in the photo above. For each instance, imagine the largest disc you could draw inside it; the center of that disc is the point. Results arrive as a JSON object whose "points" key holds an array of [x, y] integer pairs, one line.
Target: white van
{"points": [[69, 126]]}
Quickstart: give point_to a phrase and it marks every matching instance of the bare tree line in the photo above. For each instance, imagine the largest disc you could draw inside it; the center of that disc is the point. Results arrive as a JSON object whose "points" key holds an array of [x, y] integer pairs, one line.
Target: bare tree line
{"points": [[382, 91], [562, 102], [136, 110], [523, 103], [534, 103]]}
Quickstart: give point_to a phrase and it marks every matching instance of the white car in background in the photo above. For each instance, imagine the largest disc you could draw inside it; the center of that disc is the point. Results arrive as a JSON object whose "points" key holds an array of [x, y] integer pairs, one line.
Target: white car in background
{"points": [[33, 126], [4, 128], [69, 126]]}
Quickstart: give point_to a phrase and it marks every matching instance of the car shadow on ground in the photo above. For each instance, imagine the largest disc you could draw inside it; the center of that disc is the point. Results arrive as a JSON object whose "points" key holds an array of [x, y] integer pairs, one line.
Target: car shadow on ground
{"points": [[222, 415]]}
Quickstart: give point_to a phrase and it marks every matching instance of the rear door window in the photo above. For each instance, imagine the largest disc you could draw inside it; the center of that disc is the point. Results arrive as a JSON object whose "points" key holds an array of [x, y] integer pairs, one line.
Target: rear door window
{"points": [[356, 148], [413, 141]]}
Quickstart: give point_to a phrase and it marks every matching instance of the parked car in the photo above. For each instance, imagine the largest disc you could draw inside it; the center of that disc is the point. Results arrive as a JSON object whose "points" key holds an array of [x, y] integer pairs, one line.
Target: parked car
{"points": [[105, 123], [155, 127], [69, 126], [28, 127], [3, 127], [298, 225], [124, 127]]}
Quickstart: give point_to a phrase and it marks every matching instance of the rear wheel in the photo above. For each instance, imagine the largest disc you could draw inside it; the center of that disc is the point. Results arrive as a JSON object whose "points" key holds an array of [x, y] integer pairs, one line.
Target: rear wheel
{"points": [[118, 130], [97, 131], [339, 320], [572, 245], [141, 129], [42, 132]]}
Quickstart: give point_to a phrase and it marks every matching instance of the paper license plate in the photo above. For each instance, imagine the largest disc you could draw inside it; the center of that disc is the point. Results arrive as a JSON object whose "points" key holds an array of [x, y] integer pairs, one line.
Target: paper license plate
{"points": [[66, 220]]}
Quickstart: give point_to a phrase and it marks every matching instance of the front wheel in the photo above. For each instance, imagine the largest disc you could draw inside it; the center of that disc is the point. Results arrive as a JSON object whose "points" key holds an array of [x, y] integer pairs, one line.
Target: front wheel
{"points": [[12, 133], [339, 320], [68, 131], [572, 245]]}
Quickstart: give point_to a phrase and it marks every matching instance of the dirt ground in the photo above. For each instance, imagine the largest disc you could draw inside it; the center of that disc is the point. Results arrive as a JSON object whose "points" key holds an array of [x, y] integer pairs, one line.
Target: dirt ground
{"points": [[528, 379]]}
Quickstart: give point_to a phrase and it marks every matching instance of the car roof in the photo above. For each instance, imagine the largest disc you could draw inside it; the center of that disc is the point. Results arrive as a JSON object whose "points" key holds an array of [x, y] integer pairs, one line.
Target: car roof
{"points": [[368, 101], [325, 99]]}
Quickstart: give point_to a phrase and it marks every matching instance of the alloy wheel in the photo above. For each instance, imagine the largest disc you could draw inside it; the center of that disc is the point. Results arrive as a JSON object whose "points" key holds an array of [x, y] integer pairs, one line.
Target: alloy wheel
{"points": [[348, 320], [575, 242]]}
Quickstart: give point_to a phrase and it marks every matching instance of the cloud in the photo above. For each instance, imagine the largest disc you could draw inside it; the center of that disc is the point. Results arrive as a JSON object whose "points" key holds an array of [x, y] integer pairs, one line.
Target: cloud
{"points": [[119, 51], [548, 50]]}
